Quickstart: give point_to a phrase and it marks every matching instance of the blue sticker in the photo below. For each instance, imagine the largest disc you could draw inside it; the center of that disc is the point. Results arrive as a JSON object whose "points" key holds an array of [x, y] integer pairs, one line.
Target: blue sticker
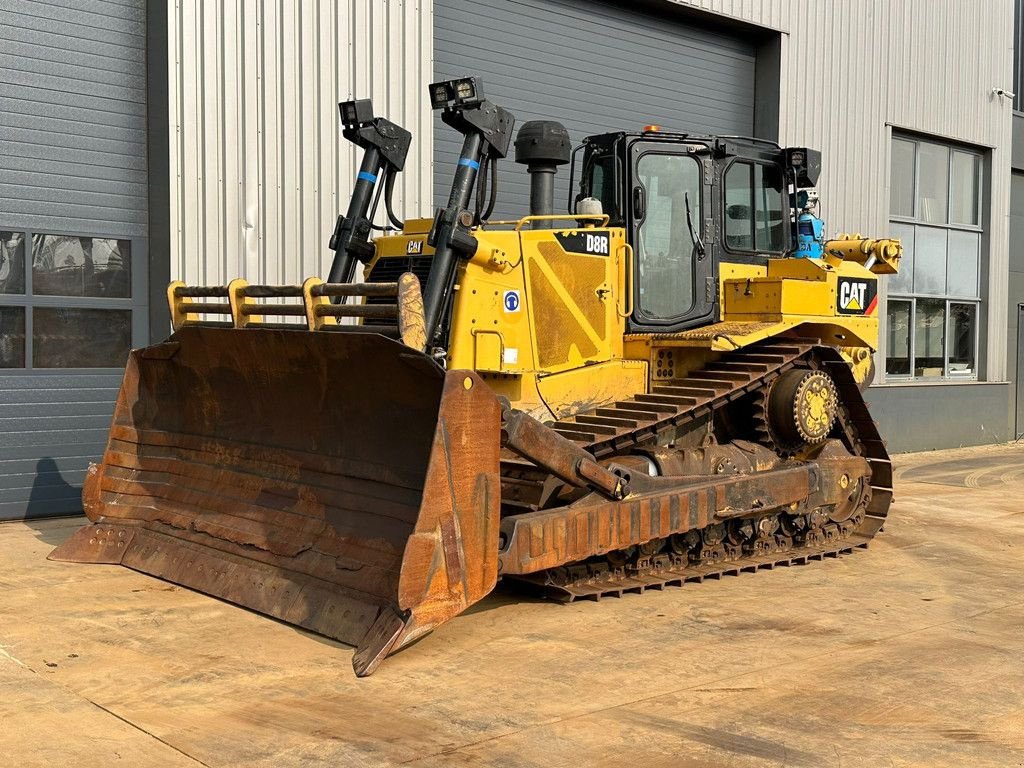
{"points": [[471, 163], [511, 301], [367, 177]]}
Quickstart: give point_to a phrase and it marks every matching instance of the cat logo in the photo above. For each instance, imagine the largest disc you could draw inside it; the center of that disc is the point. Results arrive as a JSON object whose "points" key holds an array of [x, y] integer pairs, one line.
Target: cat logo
{"points": [[857, 297], [414, 248]]}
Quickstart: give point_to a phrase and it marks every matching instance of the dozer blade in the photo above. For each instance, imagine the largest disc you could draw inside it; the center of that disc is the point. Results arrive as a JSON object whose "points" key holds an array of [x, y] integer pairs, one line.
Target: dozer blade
{"points": [[338, 481]]}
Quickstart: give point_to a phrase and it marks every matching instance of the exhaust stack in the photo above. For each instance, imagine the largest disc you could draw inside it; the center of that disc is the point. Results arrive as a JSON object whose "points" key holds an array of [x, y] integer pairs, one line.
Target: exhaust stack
{"points": [[542, 146]]}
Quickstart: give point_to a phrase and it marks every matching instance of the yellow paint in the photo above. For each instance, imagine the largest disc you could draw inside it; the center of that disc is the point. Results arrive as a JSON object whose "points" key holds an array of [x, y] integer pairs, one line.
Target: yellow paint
{"points": [[546, 328], [583, 389], [886, 253]]}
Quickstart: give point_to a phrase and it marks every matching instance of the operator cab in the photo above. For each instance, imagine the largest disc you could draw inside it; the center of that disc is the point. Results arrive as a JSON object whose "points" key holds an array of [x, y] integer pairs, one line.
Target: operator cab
{"points": [[689, 204]]}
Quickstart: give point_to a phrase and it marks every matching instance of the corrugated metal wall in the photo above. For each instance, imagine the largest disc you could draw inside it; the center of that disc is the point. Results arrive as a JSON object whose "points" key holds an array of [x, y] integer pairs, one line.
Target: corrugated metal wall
{"points": [[259, 169], [73, 117], [73, 159]]}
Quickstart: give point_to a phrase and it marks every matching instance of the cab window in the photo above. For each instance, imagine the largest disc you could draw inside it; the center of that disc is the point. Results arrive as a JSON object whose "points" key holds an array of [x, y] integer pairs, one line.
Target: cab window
{"points": [[600, 181], [665, 249], [755, 214]]}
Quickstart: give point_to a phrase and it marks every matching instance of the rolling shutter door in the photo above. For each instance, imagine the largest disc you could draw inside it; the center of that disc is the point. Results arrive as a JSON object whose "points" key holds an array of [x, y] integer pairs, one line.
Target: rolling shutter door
{"points": [[593, 66]]}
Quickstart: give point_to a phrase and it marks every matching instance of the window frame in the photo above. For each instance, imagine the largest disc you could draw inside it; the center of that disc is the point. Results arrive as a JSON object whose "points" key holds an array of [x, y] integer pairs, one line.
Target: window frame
{"points": [[911, 377], [976, 301], [640, 311], [724, 204], [952, 147], [137, 303]]}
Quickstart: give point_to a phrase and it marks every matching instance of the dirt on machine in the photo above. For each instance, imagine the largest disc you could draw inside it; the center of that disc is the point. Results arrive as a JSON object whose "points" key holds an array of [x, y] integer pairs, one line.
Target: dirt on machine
{"points": [[661, 385]]}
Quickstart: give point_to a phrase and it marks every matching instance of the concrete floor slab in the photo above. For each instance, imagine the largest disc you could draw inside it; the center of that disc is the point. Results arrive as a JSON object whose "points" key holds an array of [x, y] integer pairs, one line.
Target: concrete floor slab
{"points": [[907, 654]]}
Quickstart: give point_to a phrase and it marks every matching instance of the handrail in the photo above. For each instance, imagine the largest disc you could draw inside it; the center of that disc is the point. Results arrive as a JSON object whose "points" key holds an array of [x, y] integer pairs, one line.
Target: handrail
{"points": [[604, 218], [628, 275]]}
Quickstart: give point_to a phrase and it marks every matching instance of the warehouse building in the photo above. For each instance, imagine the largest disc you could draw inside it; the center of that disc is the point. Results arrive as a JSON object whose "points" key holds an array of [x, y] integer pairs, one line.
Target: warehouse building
{"points": [[141, 142]]}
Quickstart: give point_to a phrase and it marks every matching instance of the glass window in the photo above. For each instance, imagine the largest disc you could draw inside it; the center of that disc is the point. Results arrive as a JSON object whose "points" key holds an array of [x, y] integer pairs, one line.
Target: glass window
{"points": [[901, 187], [80, 338], [903, 281], [962, 263], [665, 248], [930, 338], [932, 182], [930, 261], [755, 210], [771, 224], [12, 262], [897, 357], [12, 337], [963, 188], [934, 302], [739, 193], [962, 336], [601, 183], [80, 266]]}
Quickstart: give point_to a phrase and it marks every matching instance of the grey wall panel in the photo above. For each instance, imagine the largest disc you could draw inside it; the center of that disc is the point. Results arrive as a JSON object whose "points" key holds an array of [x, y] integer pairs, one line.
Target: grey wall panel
{"points": [[73, 156], [925, 417], [594, 67], [52, 426], [73, 110], [1015, 297]]}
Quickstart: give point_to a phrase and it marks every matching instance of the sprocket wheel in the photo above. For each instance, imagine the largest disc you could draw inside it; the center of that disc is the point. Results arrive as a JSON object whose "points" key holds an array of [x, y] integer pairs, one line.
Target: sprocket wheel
{"points": [[801, 407]]}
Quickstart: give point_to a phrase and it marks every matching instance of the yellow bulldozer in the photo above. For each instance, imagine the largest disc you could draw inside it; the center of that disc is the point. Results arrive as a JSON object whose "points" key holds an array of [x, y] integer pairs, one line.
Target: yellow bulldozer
{"points": [[660, 386]]}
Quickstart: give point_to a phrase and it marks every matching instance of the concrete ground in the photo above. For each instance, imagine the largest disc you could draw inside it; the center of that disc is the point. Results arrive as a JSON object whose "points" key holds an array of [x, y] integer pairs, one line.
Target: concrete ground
{"points": [[907, 654]]}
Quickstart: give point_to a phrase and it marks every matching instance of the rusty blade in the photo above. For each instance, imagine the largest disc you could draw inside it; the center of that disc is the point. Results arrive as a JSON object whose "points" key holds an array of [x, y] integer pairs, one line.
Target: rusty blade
{"points": [[285, 471]]}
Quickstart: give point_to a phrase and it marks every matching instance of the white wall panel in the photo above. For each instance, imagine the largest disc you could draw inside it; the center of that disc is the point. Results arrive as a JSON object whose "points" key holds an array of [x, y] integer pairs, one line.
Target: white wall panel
{"points": [[259, 169]]}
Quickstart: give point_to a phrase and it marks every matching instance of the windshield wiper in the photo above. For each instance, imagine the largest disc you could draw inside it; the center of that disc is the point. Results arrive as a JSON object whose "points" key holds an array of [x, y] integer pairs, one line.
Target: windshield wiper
{"points": [[698, 243]]}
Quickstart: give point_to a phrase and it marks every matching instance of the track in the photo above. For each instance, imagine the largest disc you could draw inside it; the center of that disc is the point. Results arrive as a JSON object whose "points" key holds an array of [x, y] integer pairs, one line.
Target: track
{"points": [[639, 420]]}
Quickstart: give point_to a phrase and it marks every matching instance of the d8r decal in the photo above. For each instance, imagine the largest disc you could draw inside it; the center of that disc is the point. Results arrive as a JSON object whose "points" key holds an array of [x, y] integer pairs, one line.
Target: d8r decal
{"points": [[596, 243]]}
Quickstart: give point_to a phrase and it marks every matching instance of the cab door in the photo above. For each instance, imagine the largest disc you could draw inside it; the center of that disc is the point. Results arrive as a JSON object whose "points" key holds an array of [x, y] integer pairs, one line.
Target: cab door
{"points": [[669, 218]]}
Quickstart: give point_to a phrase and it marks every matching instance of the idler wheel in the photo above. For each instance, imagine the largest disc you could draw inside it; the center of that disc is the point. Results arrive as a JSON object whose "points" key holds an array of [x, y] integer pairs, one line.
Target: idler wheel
{"points": [[802, 407]]}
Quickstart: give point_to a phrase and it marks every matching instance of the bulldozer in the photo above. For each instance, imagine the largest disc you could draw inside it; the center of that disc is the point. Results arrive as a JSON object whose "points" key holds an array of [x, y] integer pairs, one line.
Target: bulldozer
{"points": [[659, 386]]}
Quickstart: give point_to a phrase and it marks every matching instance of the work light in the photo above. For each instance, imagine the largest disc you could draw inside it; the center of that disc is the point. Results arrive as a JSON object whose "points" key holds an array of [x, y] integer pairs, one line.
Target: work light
{"points": [[464, 92], [356, 113]]}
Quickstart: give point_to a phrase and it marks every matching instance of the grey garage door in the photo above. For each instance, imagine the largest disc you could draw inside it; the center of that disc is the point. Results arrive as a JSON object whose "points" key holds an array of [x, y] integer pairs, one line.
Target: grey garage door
{"points": [[593, 66], [73, 220]]}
